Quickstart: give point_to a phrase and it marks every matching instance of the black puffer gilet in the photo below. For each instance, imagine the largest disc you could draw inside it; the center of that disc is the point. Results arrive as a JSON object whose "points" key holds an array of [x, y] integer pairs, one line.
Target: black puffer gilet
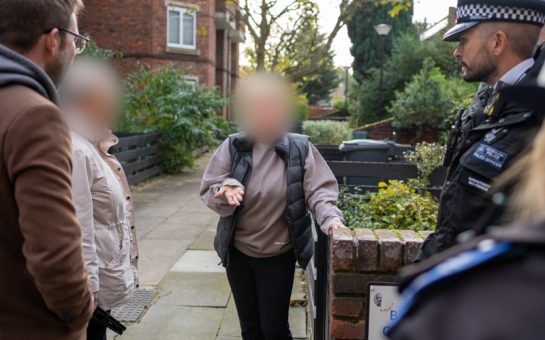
{"points": [[293, 149]]}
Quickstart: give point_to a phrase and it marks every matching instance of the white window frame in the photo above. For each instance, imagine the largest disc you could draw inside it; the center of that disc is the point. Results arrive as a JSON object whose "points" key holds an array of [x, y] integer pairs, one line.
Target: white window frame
{"points": [[193, 81], [183, 11]]}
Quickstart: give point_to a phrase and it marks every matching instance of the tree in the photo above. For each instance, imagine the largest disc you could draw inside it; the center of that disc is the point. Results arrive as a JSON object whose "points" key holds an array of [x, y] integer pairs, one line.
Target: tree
{"points": [[406, 59], [296, 59], [273, 25], [428, 99], [366, 42]]}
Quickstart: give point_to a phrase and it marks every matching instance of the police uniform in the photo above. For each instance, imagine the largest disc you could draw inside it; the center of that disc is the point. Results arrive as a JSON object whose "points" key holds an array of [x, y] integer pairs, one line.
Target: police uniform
{"points": [[488, 288], [488, 138]]}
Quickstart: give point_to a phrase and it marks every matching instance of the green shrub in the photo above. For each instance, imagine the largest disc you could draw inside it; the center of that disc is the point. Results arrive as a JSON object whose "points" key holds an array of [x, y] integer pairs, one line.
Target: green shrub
{"points": [[427, 157], [396, 206], [428, 100], [421, 104], [327, 131], [185, 117], [301, 108]]}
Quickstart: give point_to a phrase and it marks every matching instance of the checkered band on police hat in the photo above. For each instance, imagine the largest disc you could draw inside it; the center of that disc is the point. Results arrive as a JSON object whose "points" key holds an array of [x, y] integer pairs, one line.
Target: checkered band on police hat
{"points": [[487, 12]]}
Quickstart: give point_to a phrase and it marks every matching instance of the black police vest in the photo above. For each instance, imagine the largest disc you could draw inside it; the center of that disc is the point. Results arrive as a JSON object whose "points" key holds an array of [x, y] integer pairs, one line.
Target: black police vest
{"points": [[293, 149], [480, 150]]}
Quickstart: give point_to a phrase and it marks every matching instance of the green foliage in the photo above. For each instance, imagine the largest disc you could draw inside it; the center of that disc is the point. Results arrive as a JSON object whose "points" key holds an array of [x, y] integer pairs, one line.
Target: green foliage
{"points": [[421, 104], [301, 108], [185, 117], [366, 42], [327, 131], [428, 100], [315, 78], [406, 60], [92, 50], [427, 157], [396, 206]]}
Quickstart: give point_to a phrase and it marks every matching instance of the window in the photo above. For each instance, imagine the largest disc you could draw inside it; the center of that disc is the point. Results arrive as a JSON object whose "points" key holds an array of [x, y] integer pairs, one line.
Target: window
{"points": [[182, 27], [192, 82]]}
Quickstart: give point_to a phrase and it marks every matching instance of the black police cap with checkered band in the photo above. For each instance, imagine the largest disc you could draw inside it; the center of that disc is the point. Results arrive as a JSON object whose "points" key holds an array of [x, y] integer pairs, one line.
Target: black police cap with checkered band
{"points": [[472, 12]]}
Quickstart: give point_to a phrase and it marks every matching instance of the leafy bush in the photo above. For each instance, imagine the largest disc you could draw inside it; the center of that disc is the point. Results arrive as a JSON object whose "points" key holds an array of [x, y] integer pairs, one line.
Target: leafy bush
{"points": [[406, 60], [396, 206], [428, 100], [185, 117], [301, 108], [327, 131], [421, 104], [427, 157]]}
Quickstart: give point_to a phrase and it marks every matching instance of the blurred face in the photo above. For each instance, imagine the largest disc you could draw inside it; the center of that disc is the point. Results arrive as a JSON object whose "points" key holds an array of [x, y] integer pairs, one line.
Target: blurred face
{"points": [[101, 106], [267, 115], [475, 56], [59, 63]]}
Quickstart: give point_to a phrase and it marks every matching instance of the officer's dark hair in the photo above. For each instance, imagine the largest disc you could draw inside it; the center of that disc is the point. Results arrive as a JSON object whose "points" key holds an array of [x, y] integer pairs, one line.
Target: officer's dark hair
{"points": [[523, 38], [23, 22]]}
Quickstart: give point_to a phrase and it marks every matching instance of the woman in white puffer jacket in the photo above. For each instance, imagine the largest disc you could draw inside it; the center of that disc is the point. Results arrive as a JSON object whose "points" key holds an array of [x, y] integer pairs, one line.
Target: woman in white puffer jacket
{"points": [[91, 97]]}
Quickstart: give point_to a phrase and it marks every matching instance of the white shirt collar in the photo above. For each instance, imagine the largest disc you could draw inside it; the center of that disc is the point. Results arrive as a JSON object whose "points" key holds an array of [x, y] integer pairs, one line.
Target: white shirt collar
{"points": [[515, 74]]}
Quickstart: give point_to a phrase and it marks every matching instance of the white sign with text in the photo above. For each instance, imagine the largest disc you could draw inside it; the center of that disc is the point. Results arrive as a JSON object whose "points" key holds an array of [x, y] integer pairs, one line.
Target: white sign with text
{"points": [[381, 304]]}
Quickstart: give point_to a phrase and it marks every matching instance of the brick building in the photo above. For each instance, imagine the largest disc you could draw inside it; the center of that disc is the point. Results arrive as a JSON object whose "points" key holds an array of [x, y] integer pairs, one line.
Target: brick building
{"points": [[201, 36]]}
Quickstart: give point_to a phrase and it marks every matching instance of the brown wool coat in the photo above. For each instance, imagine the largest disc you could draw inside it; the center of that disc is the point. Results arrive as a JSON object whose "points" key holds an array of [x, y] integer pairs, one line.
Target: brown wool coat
{"points": [[44, 291]]}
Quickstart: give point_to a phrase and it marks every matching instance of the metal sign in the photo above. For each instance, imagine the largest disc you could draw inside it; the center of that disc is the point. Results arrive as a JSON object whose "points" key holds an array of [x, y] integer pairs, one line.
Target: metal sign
{"points": [[381, 303]]}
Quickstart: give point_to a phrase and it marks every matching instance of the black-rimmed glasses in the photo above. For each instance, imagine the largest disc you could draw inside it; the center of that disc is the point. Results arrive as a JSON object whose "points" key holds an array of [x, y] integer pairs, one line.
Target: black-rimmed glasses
{"points": [[81, 41]]}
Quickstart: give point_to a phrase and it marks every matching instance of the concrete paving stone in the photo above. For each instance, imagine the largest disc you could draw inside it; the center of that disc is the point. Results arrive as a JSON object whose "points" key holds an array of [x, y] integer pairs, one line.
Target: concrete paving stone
{"points": [[230, 326], [157, 257], [198, 261], [204, 219], [145, 224], [145, 197], [177, 231], [168, 322], [205, 241], [194, 289], [229, 338], [298, 322], [196, 205], [157, 210]]}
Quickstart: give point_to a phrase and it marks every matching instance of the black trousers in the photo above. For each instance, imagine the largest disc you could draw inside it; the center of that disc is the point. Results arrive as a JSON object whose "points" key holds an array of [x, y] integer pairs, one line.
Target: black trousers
{"points": [[96, 331], [262, 291]]}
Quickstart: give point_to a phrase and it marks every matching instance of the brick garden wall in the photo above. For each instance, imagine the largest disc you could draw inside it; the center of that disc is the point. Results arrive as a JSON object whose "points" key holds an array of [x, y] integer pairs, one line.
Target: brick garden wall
{"points": [[357, 258]]}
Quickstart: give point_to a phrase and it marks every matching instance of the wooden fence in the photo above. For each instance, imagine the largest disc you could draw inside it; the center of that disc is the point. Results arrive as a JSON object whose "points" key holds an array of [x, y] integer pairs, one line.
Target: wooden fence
{"points": [[318, 269], [139, 155]]}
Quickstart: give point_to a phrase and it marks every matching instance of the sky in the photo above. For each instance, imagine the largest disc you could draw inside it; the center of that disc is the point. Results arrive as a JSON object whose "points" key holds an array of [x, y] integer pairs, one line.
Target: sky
{"points": [[430, 10]]}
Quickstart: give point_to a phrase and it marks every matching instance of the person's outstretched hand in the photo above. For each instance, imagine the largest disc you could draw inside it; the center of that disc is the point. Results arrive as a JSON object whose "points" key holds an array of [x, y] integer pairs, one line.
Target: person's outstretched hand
{"points": [[334, 227], [233, 194]]}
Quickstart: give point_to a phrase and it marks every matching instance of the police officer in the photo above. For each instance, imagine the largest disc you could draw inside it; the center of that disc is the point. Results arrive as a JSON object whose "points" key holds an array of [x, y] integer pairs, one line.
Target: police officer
{"points": [[497, 40], [490, 287]]}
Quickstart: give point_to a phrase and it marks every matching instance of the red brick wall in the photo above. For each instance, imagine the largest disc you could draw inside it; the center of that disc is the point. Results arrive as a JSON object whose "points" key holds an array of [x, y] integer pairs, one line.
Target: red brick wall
{"points": [[138, 29], [356, 259]]}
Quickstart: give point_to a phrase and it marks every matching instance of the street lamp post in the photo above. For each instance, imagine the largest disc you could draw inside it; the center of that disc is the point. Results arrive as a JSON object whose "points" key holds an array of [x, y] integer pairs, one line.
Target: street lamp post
{"points": [[382, 30]]}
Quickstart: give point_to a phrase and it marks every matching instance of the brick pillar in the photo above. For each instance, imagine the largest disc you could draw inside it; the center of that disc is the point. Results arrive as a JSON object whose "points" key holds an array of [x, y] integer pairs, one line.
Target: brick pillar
{"points": [[357, 258]]}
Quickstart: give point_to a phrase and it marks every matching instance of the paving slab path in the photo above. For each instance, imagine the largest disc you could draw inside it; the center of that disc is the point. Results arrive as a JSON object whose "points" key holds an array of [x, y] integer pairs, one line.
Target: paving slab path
{"points": [[175, 235]]}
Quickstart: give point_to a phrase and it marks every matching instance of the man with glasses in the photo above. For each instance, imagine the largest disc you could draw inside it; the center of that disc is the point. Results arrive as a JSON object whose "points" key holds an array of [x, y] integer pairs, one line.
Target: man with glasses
{"points": [[44, 290]]}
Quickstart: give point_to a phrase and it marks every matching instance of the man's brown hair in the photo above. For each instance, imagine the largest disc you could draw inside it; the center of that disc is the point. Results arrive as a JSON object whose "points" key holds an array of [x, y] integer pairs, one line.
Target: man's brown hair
{"points": [[22, 22]]}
